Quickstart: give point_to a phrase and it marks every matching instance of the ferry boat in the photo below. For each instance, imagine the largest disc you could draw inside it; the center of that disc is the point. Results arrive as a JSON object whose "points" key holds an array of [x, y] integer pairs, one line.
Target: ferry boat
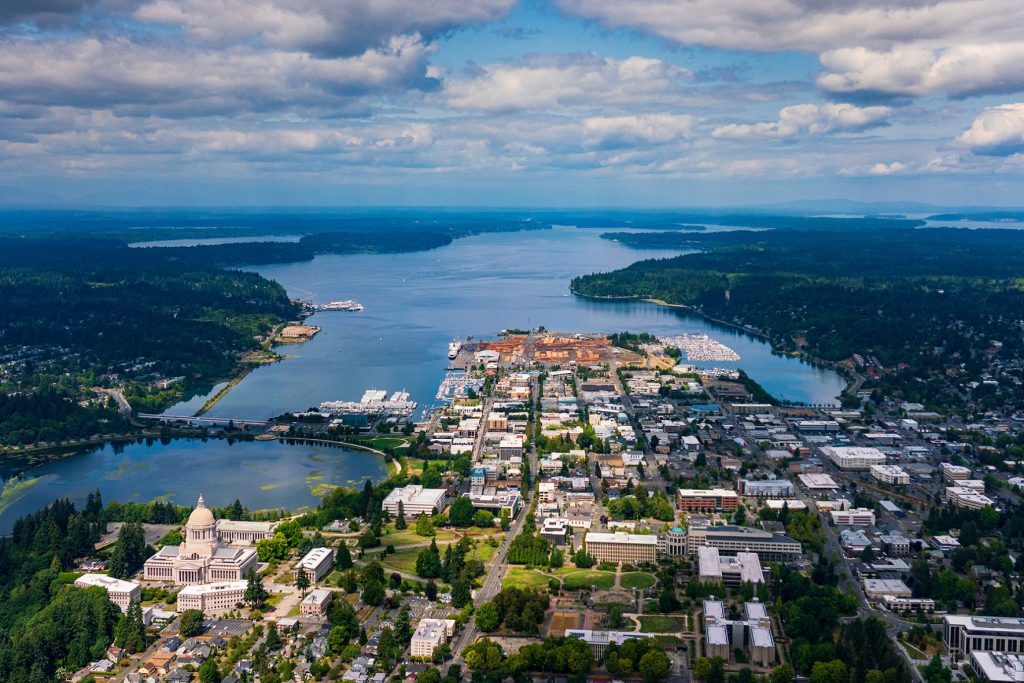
{"points": [[453, 348], [346, 305]]}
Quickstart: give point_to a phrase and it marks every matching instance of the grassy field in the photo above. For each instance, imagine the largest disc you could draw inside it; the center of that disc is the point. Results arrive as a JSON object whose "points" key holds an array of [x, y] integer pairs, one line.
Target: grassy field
{"points": [[639, 580], [402, 560], [519, 577], [408, 536], [661, 624], [585, 578]]}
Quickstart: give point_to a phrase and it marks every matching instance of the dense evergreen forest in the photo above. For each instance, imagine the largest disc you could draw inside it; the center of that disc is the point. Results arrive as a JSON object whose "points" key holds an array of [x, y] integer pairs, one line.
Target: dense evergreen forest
{"points": [[925, 303]]}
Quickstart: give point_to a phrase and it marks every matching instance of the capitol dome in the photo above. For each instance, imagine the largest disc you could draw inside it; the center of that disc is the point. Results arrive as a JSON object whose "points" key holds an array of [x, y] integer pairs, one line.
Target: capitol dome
{"points": [[201, 516]]}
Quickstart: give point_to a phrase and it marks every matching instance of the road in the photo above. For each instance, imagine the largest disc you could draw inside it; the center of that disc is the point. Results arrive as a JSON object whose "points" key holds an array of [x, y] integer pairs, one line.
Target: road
{"points": [[492, 579]]}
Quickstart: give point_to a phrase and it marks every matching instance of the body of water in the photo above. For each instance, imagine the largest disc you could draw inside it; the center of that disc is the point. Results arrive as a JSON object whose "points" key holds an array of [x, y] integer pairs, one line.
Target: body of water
{"points": [[262, 474], [477, 286]]}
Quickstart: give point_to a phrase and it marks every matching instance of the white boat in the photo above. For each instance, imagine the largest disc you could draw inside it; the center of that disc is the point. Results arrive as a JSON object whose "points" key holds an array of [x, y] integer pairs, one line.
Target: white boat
{"points": [[346, 305], [453, 348]]}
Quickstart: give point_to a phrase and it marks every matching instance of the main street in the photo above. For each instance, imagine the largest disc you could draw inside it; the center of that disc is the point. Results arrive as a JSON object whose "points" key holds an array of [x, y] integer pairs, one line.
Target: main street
{"points": [[492, 579]]}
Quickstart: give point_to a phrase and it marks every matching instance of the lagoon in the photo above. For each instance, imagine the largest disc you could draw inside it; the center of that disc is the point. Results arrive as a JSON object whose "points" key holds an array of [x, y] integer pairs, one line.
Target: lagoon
{"points": [[262, 474]]}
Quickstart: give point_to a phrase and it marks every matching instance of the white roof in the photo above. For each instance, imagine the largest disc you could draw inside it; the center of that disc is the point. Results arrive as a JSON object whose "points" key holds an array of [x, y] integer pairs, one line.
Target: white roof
{"points": [[109, 583], [818, 481], [761, 636], [622, 537], [315, 557], [997, 667], [886, 586], [204, 588], [755, 610], [717, 636], [714, 608], [317, 597]]}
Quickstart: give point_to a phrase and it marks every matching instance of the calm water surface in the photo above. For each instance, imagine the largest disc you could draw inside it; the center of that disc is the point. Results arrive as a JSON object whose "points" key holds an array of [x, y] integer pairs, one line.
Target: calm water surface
{"points": [[416, 302], [262, 474]]}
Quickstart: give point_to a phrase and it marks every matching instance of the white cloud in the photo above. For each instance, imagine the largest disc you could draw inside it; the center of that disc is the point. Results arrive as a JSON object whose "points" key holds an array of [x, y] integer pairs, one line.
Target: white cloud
{"points": [[959, 71], [998, 131], [811, 25], [325, 27], [886, 169], [156, 79], [551, 81], [799, 120], [609, 132]]}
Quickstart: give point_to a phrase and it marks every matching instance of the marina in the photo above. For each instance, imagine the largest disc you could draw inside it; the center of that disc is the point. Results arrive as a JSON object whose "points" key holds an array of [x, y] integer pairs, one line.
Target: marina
{"points": [[457, 384], [701, 348], [374, 404], [346, 305]]}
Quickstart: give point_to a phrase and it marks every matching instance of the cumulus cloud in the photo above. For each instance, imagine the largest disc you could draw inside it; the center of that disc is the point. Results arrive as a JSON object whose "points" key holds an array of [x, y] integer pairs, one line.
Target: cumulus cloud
{"points": [[960, 71], [998, 131], [89, 72], [324, 27], [811, 25], [611, 132], [799, 120], [546, 81]]}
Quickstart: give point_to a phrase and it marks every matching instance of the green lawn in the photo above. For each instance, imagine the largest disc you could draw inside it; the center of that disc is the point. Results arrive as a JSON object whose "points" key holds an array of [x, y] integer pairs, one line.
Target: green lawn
{"points": [[402, 560], [639, 580], [661, 624], [519, 577], [585, 578], [408, 536]]}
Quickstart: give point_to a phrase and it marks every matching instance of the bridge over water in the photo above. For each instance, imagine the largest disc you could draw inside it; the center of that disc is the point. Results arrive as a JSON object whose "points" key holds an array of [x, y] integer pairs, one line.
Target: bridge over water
{"points": [[192, 419]]}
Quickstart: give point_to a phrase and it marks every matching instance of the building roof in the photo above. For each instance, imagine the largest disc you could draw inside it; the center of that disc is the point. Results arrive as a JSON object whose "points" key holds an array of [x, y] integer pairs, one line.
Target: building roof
{"points": [[201, 516], [315, 557], [622, 537], [317, 597], [205, 588], [106, 582]]}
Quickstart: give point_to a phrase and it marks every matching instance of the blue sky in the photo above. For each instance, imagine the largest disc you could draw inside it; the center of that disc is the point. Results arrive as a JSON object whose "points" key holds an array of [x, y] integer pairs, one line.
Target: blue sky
{"points": [[505, 103]]}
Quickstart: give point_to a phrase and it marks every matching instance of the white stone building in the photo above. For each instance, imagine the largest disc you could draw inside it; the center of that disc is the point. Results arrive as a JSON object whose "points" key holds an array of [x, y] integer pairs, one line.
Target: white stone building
{"points": [[212, 598]]}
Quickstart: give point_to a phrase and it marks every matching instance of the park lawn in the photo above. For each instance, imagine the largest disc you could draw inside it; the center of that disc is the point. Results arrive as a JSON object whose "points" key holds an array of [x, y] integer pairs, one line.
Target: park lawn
{"points": [[520, 577], [661, 624], [483, 551], [274, 598], [585, 578], [641, 580], [408, 536], [402, 560]]}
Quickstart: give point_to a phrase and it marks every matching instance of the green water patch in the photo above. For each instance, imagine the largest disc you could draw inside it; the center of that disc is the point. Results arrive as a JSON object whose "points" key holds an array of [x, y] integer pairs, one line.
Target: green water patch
{"points": [[14, 490], [126, 468]]}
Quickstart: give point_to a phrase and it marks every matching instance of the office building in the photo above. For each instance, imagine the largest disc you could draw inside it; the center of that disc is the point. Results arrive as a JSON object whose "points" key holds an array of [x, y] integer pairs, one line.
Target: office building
{"points": [[897, 604], [121, 593], [963, 497], [317, 564], [768, 488], [854, 517], [996, 667], [600, 640], [672, 543], [854, 457], [954, 473], [620, 547], [878, 588], [711, 500], [729, 571], [890, 474], [212, 598], [730, 540], [963, 634], [415, 500], [315, 604], [429, 634]]}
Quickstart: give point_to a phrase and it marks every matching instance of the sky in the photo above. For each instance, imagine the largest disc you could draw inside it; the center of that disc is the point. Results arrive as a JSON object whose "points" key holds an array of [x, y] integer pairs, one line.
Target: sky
{"points": [[510, 103]]}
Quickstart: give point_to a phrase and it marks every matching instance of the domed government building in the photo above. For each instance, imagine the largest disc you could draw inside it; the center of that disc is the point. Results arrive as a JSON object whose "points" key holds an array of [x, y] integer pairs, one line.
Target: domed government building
{"points": [[214, 550]]}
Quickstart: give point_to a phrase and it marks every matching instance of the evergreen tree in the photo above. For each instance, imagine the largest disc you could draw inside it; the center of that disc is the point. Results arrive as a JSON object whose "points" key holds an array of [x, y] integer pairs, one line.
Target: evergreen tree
{"points": [[403, 627], [400, 520], [344, 558], [208, 671], [461, 591], [301, 581], [255, 593]]}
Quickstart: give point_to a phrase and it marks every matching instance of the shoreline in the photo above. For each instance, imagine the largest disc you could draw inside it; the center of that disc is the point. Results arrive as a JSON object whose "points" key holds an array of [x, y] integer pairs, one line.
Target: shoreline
{"points": [[822, 363]]}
